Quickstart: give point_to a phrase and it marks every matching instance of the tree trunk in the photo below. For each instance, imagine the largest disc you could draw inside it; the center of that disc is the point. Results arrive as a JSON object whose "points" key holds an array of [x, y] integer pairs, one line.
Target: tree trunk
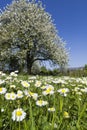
{"points": [[29, 63], [29, 66]]}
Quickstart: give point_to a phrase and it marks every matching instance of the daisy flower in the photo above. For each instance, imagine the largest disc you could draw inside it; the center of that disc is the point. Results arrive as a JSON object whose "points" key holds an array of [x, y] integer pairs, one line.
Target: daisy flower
{"points": [[12, 86], [41, 103], [52, 109], [43, 87], [8, 96], [38, 83], [2, 81], [49, 90], [66, 114], [33, 95], [13, 96], [19, 94], [2, 109], [9, 78], [2, 90], [13, 74], [63, 91], [25, 84], [18, 114]]}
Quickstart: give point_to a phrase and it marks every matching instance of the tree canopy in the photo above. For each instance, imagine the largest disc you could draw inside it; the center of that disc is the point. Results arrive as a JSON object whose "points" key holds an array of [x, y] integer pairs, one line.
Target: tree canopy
{"points": [[27, 33]]}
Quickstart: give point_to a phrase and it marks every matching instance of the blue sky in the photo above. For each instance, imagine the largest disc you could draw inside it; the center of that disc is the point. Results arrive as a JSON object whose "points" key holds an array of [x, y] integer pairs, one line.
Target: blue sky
{"points": [[70, 17]]}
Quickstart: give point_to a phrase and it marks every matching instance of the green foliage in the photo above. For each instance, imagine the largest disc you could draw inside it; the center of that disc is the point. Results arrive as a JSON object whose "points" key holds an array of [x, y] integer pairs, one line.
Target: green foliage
{"points": [[54, 72], [77, 72], [43, 70], [85, 67]]}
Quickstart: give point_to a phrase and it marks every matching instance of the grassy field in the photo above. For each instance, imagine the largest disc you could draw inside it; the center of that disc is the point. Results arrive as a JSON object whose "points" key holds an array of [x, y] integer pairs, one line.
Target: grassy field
{"points": [[42, 103]]}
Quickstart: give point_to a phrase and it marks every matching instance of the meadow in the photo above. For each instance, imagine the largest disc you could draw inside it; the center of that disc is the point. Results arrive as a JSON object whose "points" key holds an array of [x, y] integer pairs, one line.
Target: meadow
{"points": [[42, 102]]}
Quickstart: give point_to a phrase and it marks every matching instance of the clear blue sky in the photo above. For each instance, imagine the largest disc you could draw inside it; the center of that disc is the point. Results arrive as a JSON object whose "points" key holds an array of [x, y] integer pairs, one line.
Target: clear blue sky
{"points": [[71, 21]]}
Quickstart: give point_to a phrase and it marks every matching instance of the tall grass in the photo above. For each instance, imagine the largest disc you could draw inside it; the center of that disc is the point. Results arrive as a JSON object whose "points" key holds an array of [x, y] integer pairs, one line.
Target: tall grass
{"points": [[49, 103]]}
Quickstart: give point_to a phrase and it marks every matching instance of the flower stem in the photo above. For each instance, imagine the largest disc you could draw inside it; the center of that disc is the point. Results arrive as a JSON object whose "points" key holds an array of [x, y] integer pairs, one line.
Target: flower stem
{"points": [[19, 125]]}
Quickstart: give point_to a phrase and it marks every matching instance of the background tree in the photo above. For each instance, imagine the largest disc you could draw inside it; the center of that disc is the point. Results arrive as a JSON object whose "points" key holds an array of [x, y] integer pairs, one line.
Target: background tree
{"points": [[27, 32]]}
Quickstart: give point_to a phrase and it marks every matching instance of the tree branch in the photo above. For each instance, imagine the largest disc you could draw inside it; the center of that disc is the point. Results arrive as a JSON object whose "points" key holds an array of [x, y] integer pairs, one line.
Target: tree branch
{"points": [[40, 59]]}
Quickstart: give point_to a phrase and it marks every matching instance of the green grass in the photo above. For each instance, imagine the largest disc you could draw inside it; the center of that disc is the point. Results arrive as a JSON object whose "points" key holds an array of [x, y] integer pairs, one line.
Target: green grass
{"points": [[66, 96]]}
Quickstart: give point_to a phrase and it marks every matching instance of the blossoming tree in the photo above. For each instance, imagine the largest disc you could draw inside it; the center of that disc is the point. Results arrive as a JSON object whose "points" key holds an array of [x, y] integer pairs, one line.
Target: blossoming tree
{"points": [[28, 34]]}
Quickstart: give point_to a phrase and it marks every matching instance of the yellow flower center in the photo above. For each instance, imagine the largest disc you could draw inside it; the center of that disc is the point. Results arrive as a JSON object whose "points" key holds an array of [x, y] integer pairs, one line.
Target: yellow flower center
{"points": [[8, 95], [52, 109], [40, 102], [19, 94], [66, 114], [63, 90], [18, 113], [13, 96], [26, 84], [48, 90], [1, 89]]}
